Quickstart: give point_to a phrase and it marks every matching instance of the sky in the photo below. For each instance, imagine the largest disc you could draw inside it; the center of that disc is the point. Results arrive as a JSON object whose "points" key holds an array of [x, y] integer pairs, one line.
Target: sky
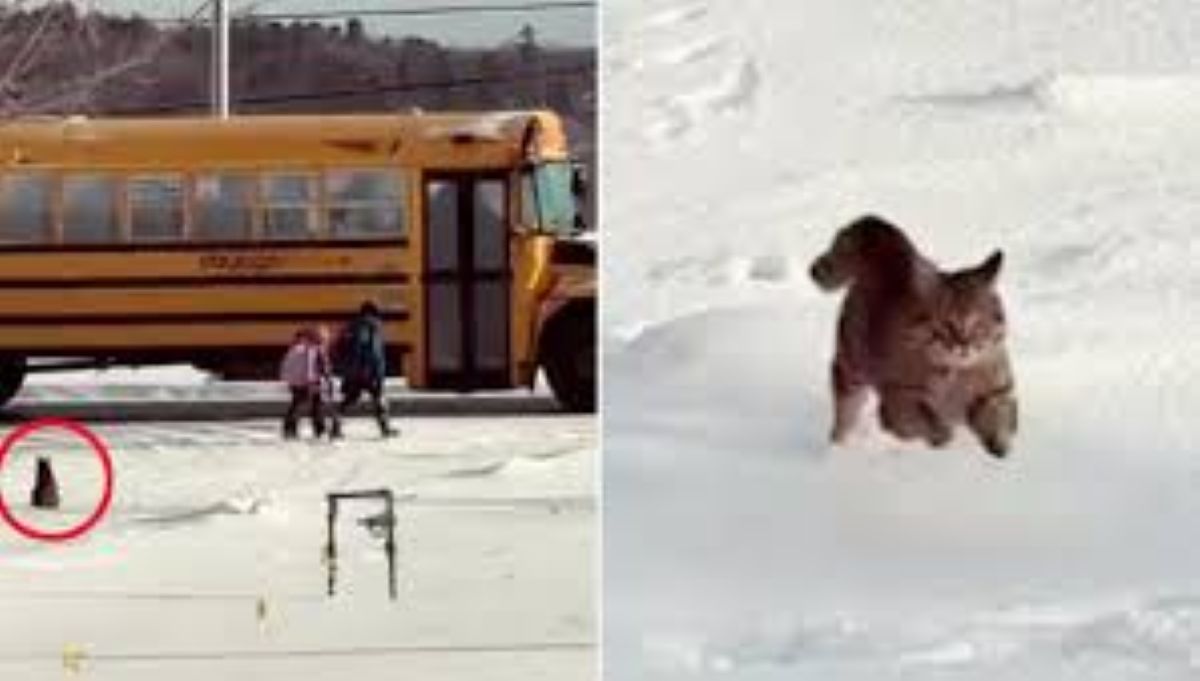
{"points": [[570, 26]]}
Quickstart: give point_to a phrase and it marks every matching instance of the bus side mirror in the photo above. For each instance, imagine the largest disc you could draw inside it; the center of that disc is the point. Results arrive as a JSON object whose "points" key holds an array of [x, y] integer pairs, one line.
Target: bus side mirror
{"points": [[579, 183], [579, 188]]}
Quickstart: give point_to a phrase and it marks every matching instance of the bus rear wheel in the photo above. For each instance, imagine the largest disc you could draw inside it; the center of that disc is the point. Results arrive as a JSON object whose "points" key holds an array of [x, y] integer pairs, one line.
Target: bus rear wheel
{"points": [[12, 377], [570, 364]]}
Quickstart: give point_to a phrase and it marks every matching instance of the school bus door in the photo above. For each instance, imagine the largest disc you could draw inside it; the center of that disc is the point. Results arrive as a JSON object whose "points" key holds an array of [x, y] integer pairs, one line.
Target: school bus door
{"points": [[467, 281]]}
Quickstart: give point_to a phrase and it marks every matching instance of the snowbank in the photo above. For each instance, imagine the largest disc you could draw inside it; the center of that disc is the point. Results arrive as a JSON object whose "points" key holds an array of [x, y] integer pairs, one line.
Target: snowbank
{"points": [[738, 543]]}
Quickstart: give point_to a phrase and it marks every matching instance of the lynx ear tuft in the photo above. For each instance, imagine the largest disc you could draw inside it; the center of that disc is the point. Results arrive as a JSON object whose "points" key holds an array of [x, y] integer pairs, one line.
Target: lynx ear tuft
{"points": [[987, 272]]}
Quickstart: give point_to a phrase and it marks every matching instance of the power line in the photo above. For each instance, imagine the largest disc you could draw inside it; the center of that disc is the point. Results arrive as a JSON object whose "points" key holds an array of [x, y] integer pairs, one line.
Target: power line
{"points": [[433, 10], [448, 83]]}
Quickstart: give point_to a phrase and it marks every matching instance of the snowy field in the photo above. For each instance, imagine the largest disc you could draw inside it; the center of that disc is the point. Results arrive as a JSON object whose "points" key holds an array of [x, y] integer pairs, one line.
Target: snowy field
{"points": [[738, 138], [210, 562]]}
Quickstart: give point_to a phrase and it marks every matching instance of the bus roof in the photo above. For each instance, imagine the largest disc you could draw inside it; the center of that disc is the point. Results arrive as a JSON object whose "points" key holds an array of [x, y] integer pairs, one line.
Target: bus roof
{"points": [[441, 140]]}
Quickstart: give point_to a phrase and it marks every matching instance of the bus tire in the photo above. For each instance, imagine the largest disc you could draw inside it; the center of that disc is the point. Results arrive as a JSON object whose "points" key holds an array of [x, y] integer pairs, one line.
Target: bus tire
{"points": [[12, 377], [569, 359]]}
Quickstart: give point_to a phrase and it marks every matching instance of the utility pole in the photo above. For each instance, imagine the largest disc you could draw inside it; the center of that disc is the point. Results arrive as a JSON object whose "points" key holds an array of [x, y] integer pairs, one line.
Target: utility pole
{"points": [[219, 69]]}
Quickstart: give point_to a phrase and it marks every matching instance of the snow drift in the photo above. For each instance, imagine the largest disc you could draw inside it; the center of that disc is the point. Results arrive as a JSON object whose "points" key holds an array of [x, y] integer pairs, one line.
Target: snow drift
{"points": [[737, 543]]}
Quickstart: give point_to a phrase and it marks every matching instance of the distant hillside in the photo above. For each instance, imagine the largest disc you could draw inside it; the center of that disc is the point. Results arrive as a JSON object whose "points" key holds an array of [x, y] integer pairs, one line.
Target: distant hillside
{"points": [[55, 59]]}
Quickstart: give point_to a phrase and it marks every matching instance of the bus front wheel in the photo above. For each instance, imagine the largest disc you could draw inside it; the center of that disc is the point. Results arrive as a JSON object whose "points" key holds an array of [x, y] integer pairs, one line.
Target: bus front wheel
{"points": [[569, 358], [12, 377]]}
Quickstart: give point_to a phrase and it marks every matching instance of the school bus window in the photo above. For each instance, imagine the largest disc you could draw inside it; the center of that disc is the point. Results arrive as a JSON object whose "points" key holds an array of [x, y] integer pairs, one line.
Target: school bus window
{"points": [[364, 203], [156, 207], [89, 209], [547, 187], [289, 206], [223, 206], [490, 238], [441, 201], [24, 208]]}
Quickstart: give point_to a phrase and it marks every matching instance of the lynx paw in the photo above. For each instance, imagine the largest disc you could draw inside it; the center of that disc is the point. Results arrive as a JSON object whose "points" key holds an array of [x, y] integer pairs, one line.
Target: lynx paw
{"points": [[997, 445], [994, 421], [939, 437]]}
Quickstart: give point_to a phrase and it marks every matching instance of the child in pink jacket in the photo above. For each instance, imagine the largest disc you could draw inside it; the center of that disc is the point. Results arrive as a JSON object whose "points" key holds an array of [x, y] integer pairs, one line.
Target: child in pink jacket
{"points": [[300, 371]]}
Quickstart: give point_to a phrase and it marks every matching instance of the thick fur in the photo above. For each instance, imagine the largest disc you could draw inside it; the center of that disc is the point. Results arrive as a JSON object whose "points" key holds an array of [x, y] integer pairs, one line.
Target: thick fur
{"points": [[930, 343]]}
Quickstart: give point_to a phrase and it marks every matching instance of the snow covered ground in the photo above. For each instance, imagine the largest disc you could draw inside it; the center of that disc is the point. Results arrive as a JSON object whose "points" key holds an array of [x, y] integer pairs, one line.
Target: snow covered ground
{"points": [[210, 562], [738, 137]]}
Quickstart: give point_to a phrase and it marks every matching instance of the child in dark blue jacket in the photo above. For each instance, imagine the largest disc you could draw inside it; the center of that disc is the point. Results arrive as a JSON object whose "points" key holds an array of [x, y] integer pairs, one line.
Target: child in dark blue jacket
{"points": [[361, 360]]}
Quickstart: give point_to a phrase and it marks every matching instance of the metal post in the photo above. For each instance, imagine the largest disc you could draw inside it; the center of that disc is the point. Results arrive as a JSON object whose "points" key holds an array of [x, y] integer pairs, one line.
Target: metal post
{"points": [[330, 545], [220, 59], [372, 524], [390, 546]]}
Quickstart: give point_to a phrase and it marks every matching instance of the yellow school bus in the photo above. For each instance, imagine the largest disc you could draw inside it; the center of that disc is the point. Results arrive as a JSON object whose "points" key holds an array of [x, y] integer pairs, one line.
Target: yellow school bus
{"points": [[210, 241]]}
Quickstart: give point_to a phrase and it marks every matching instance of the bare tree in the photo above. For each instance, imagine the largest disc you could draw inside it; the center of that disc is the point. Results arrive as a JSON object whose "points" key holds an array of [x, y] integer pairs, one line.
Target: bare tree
{"points": [[53, 60]]}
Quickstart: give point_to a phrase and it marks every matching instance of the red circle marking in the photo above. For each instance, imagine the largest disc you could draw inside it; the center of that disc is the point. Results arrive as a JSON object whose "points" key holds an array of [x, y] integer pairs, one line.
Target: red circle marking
{"points": [[97, 446]]}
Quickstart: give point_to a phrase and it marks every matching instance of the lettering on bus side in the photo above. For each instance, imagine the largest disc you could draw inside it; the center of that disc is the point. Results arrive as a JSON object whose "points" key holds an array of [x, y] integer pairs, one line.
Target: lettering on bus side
{"points": [[240, 262]]}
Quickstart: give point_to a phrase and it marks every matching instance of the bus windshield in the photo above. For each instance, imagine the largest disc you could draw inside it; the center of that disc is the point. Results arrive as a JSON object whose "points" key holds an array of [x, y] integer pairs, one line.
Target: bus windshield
{"points": [[550, 186]]}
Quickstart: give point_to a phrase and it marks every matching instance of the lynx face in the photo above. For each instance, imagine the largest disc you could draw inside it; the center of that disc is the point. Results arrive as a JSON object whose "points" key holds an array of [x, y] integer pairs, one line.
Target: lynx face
{"points": [[961, 323]]}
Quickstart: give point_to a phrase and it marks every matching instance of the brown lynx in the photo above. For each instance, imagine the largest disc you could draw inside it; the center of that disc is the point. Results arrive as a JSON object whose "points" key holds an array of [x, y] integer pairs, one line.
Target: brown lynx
{"points": [[930, 343]]}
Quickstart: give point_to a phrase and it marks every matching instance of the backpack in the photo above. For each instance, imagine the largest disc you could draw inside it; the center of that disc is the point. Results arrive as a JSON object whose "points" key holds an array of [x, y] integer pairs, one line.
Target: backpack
{"points": [[296, 369], [340, 352], [354, 348]]}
